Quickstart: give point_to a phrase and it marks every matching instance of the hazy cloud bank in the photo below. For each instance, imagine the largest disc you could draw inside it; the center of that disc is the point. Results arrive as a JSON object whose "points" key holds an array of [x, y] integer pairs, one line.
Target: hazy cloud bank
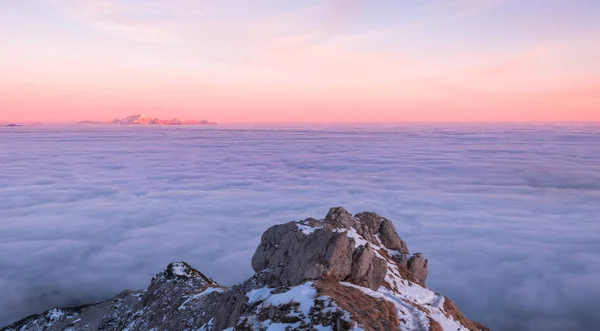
{"points": [[507, 215]]}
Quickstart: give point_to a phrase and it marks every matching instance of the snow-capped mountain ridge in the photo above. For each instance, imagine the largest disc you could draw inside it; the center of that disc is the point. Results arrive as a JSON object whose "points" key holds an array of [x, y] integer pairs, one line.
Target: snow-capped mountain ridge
{"points": [[144, 119], [343, 272]]}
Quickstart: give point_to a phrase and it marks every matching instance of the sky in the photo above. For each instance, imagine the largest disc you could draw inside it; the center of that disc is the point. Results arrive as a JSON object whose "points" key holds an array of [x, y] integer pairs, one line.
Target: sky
{"points": [[300, 61]]}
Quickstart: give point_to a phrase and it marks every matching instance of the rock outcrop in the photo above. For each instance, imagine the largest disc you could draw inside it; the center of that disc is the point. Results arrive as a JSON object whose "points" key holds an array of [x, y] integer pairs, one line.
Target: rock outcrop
{"points": [[341, 273], [341, 247]]}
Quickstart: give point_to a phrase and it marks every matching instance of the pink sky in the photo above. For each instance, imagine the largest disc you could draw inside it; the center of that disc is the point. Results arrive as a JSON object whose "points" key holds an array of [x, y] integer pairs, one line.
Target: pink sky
{"points": [[311, 61]]}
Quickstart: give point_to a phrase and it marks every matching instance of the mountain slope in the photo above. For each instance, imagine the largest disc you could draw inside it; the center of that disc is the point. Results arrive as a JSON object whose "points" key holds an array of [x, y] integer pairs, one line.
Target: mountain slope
{"points": [[341, 273]]}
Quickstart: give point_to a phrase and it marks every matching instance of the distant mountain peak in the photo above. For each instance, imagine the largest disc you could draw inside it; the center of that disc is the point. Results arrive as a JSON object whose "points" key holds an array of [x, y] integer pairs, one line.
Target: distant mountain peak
{"points": [[146, 120]]}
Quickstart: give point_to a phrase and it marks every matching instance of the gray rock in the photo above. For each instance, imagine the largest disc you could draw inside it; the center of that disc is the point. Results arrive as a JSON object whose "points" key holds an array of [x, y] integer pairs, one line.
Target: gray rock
{"points": [[173, 301], [294, 257], [168, 292], [270, 241], [389, 237], [231, 307], [371, 220], [367, 270], [369, 226], [338, 217], [401, 259], [234, 302], [417, 266]]}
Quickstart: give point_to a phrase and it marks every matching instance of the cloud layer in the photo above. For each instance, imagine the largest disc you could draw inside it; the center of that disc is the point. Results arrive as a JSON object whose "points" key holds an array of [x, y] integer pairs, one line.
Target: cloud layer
{"points": [[507, 214]]}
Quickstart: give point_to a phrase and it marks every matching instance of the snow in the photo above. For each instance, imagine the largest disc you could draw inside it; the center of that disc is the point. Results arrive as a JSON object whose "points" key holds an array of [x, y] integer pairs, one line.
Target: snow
{"points": [[55, 314], [391, 252], [307, 229], [405, 295], [209, 291], [129, 326], [180, 269], [304, 294], [445, 322], [199, 295], [359, 240], [354, 235], [410, 292], [416, 293], [259, 294], [414, 319], [208, 326]]}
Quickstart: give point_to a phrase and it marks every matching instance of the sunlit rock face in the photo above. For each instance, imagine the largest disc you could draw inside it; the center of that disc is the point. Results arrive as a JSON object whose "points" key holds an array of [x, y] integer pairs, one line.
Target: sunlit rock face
{"points": [[342, 272]]}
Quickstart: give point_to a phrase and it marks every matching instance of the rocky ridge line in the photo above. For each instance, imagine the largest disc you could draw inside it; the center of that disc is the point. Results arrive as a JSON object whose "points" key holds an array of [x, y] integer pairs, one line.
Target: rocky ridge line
{"points": [[343, 272]]}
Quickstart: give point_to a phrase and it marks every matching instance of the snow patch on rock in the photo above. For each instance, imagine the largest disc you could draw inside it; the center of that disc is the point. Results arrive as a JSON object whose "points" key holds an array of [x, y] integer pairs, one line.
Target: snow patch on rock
{"points": [[181, 269], [303, 294], [259, 294], [200, 295]]}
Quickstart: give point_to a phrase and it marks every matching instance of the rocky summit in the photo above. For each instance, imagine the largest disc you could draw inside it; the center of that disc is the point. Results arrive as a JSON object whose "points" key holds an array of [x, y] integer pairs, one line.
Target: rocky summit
{"points": [[342, 272]]}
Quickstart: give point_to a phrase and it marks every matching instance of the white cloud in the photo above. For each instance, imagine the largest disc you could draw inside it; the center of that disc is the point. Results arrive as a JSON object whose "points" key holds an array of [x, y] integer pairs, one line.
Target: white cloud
{"points": [[150, 21], [507, 215], [461, 8]]}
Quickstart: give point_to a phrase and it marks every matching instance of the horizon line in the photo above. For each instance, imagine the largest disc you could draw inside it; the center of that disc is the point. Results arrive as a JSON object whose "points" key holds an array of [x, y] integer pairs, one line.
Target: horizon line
{"points": [[314, 122]]}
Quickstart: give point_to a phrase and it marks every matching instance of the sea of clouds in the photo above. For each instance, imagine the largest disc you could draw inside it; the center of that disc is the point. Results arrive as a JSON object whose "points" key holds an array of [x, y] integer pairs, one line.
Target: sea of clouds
{"points": [[508, 215]]}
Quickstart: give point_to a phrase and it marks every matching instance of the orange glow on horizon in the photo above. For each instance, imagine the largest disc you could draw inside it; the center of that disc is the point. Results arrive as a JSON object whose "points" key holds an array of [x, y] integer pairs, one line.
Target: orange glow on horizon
{"points": [[280, 68]]}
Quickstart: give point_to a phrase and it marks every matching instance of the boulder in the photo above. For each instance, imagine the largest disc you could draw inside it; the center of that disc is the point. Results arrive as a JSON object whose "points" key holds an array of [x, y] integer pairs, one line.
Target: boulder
{"points": [[417, 266], [389, 237], [367, 270]]}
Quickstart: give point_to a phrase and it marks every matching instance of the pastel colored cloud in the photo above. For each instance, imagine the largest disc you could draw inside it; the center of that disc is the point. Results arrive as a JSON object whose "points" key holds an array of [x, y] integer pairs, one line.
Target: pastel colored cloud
{"points": [[272, 60], [507, 214]]}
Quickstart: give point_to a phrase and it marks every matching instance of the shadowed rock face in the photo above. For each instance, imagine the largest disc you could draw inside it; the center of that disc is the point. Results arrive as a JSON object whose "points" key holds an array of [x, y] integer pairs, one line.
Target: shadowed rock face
{"points": [[296, 257], [417, 266], [171, 302], [343, 272]]}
